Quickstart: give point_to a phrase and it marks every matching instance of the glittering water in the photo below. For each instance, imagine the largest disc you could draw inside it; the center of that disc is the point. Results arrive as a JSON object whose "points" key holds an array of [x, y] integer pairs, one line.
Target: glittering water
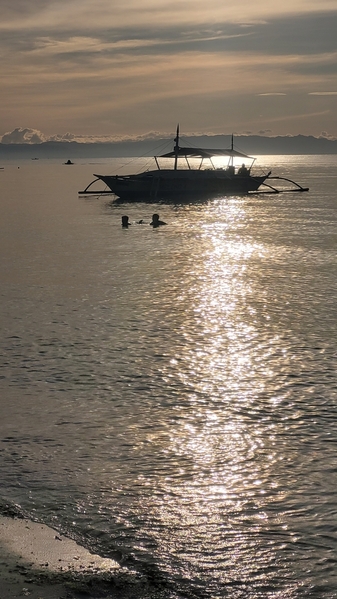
{"points": [[169, 396]]}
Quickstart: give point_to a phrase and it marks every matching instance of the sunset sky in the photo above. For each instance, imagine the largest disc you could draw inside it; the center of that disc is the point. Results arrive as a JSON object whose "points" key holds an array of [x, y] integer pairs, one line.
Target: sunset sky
{"points": [[84, 69]]}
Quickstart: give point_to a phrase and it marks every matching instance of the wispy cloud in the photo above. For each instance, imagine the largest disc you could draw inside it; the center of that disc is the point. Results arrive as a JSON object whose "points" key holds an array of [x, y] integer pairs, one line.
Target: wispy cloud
{"points": [[67, 14], [129, 67]]}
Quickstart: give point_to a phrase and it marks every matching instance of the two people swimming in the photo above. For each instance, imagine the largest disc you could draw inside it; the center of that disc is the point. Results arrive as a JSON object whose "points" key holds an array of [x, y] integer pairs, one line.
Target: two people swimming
{"points": [[156, 222]]}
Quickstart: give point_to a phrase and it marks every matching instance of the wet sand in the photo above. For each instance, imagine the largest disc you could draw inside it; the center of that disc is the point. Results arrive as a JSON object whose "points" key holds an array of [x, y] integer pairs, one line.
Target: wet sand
{"points": [[39, 563]]}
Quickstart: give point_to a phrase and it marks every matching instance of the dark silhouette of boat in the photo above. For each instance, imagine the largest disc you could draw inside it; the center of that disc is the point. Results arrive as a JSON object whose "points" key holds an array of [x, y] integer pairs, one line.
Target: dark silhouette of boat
{"points": [[69, 162], [193, 181]]}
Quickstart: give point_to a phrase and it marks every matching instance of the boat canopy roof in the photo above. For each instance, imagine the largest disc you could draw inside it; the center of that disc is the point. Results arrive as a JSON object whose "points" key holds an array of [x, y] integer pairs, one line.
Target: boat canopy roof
{"points": [[204, 153]]}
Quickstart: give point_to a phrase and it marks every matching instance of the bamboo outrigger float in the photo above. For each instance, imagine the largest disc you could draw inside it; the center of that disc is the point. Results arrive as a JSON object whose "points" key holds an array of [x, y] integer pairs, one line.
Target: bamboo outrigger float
{"points": [[191, 182]]}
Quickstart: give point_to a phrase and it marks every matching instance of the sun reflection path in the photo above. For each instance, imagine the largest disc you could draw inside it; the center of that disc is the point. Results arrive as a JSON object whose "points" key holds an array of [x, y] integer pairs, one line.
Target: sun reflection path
{"points": [[210, 518], [223, 346], [223, 441]]}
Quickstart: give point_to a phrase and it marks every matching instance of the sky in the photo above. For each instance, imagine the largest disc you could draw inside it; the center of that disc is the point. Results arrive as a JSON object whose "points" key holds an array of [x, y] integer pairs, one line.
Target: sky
{"points": [[116, 69]]}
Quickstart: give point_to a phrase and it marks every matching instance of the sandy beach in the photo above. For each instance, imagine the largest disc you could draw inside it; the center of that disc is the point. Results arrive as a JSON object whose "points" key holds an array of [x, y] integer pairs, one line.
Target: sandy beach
{"points": [[39, 563]]}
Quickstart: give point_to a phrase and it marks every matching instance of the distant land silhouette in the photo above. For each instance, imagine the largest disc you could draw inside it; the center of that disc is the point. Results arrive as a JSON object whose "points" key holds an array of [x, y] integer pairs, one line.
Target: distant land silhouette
{"points": [[252, 145]]}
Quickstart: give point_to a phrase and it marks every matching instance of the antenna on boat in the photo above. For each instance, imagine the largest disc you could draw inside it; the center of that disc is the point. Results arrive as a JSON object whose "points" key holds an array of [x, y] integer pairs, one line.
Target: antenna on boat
{"points": [[231, 162], [176, 148]]}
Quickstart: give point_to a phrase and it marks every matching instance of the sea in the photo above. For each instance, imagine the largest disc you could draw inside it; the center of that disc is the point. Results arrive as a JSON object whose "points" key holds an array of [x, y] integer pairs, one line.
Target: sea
{"points": [[169, 395]]}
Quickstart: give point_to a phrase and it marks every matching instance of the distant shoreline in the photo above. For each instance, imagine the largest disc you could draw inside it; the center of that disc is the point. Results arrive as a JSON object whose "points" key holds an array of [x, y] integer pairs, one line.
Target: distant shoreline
{"points": [[252, 145]]}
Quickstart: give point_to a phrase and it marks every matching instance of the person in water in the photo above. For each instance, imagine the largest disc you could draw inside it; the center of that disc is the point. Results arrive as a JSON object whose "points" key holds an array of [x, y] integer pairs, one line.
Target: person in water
{"points": [[156, 222], [125, 222]]}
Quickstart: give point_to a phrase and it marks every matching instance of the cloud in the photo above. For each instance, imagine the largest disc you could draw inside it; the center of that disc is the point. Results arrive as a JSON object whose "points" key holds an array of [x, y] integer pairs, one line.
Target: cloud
{"points": [[130, 94], [23, 136], [119, 68], [310, 32], [327, 135], [63, 14], [26, 135]]}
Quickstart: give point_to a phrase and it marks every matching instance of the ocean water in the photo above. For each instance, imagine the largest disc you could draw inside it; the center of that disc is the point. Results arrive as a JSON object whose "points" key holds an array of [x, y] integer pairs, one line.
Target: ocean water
{"points": [[168, 396]]}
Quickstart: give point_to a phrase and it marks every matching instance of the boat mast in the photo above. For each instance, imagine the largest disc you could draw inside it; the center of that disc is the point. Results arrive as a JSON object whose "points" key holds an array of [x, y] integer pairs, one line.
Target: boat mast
{"points": [[176, 149]]}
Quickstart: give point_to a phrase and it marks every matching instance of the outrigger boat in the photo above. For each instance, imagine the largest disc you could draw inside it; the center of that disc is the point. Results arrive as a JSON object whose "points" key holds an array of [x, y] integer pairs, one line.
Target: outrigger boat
{"points": [[190, 182]]}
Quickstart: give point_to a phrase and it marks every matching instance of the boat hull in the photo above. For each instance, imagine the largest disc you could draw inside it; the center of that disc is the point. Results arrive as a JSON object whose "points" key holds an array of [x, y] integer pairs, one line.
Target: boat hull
{"points": [[179, 185]]}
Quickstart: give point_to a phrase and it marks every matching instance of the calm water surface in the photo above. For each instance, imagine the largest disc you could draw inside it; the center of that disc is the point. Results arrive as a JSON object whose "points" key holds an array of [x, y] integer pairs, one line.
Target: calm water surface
{"points": [[168, 396]]}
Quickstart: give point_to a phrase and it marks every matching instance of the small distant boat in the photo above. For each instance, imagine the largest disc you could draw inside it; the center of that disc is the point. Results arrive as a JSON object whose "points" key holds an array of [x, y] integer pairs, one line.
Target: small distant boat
{"points": [[194, 180], [68, 162]]}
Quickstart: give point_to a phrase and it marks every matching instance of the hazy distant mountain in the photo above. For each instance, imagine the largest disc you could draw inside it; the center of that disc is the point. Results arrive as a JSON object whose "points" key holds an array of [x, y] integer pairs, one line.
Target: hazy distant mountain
{"points": [[253, 145]]}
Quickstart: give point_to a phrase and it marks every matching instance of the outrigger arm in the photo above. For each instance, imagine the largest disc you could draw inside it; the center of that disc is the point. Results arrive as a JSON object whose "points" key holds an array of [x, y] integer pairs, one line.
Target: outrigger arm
{"points": [[275, 190], [96, 193]]}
